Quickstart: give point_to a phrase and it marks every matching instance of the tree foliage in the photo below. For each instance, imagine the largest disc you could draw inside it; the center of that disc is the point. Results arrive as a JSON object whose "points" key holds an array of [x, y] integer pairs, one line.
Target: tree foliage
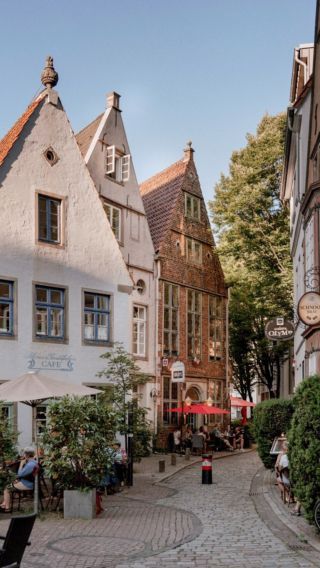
{"points": [[304, 444], [253, 244], [270, 419], [76, 441], [8, 450], [125, 377]]}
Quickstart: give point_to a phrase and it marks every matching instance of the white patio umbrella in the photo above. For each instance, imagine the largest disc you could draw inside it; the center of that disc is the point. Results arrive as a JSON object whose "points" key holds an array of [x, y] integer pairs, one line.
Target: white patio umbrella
{"points": [[32, 388]]}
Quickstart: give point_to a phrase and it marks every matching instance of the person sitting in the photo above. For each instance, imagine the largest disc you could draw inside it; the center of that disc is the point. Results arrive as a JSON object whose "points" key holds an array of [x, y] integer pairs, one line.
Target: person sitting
{"points": [[187, 439], [238, 439], [24, 480], [177, 440], [120, 463]]}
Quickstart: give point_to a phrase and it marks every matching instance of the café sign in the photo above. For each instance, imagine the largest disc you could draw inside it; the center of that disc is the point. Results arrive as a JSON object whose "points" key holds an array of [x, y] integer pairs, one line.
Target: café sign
{"points": [[309, 308], [279, 329], [178, 372]]}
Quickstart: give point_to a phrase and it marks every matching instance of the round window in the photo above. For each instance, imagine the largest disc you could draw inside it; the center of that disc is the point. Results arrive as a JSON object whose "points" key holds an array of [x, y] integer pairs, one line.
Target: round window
{"points": [[141, 286]]}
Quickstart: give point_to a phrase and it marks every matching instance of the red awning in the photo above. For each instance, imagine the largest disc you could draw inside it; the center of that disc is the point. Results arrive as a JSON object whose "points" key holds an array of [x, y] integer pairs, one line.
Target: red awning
{"points": [[199, 409], [239, 402]]}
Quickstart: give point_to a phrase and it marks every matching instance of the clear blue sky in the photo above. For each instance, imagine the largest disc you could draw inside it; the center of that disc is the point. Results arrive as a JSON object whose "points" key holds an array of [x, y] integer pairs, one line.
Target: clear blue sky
{"points": [[205, 70]]}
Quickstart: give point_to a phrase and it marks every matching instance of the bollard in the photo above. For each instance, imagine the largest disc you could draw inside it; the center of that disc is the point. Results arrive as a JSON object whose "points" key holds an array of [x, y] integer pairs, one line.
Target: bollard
{"points": [[207, 469], [187, 455], [162, 466], [173, 459]]}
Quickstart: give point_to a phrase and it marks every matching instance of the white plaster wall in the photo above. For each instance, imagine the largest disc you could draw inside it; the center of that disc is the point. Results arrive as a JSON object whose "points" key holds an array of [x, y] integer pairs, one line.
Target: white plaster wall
{"points": [[137, 253], [90, 259]]}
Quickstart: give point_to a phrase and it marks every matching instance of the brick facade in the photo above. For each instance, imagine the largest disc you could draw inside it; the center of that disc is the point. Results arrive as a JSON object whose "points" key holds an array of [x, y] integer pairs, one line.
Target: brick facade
{"points": [[204, 377]]}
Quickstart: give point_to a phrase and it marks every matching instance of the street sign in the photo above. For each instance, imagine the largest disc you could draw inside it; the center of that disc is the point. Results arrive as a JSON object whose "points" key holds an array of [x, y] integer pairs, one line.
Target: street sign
{"points": [[279, 329], [309, 308], [178, 372]]}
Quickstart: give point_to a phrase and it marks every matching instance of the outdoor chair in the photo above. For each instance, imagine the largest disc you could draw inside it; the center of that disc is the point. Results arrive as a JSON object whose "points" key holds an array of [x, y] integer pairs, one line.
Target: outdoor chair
{"points": [[16, 540], [197, 443], [29, 493]]}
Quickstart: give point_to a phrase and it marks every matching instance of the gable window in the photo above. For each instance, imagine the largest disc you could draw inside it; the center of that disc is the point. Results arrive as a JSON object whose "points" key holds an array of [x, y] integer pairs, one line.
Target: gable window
{"points": [[49, 219], [139, 332], [117, 164], [316, 164], [194, 324], [215, 327], [192, 206], [49, 312], [97, 317], [194, 251], [170, 400], [114, 217], [170, 319], [6, 308]]}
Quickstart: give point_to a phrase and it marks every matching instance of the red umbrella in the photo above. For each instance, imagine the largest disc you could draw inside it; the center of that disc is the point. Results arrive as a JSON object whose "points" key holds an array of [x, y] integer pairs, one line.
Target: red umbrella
{"points": [[199, 409], [239, 402]]}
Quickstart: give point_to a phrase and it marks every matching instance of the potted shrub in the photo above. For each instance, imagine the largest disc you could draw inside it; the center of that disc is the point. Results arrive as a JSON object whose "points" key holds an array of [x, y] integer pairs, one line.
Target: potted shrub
{"points": [[76, 446]]}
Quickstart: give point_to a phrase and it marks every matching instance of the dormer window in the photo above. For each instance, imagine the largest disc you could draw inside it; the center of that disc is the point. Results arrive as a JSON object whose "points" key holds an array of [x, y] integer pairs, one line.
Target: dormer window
{"points": [[117, 164]]}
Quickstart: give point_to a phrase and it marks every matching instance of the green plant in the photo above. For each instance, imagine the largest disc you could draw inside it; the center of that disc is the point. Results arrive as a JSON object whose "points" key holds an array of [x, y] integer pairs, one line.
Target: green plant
{"points": [[270, 418], [77, 441], [304, 444], [8, 450], [124, 378]]}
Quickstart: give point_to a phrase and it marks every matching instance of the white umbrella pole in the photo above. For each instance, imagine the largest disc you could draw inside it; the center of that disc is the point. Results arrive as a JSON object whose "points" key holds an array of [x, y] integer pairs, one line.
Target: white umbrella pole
{"points": [[36, 477]]}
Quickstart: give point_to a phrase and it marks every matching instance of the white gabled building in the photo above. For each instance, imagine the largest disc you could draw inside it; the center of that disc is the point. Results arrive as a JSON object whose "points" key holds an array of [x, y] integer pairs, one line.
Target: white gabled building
{"points": [[64, 286], [293, 191], [106, 151]]}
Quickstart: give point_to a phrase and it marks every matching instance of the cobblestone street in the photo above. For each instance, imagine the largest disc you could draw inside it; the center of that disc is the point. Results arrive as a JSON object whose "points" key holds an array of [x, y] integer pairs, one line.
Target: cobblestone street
{"points": [[178, 523]]}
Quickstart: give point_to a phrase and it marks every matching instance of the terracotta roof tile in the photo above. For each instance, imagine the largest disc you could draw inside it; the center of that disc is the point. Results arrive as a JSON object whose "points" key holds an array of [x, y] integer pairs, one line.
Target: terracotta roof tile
{"points": [[159, 195], [12, 136], [85, 135]]}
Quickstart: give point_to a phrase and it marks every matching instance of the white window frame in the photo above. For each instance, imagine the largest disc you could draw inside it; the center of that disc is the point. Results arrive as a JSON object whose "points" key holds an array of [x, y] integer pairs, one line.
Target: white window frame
{"points": [[194, 200], [117, 164], [191, 255], [139, 329], [173, 311], [111, 216], [192, 315]]}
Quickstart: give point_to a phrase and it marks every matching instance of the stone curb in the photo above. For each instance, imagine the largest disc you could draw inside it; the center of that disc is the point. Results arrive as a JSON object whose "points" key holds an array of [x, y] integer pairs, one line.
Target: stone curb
{"points": [[185, 465], [286, 519]]}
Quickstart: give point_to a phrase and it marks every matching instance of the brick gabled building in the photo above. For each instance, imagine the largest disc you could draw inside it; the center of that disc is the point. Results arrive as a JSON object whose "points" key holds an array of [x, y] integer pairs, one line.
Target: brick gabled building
{"points": [[192, 296]]}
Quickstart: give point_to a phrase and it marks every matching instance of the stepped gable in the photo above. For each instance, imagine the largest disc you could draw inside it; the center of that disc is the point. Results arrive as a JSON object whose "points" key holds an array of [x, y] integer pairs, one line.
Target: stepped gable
{"points": [[7, 143], [85, 136], [160, 194]]}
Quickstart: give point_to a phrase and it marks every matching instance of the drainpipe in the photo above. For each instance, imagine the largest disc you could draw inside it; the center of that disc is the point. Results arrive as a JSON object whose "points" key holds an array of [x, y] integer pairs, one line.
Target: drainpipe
{"points": [[156, 330], [300, 62]]}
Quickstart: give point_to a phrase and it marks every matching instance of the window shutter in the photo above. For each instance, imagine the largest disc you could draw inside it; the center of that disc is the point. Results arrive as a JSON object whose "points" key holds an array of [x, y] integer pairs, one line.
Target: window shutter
{"points": [[125, 167], [110, 159]]}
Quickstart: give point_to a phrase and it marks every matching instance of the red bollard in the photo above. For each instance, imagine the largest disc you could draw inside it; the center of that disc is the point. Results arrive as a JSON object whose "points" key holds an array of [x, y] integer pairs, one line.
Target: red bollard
{"points": [[206, 469]]}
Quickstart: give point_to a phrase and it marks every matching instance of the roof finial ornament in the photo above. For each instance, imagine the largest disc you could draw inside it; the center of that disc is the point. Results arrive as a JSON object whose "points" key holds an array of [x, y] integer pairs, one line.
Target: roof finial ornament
{"points": [[188, 151], [49, 76]]}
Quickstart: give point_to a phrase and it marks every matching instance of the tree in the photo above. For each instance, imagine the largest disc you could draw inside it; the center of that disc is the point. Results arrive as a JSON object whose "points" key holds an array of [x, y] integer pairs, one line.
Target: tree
{"points": [[125, 376], [77, 440], [253, 237], [304, 444], [8, 450]]}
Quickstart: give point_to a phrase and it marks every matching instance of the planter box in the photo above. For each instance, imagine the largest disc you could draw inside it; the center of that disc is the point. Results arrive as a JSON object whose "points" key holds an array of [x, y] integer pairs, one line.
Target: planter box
{"points": [[79, 504]]}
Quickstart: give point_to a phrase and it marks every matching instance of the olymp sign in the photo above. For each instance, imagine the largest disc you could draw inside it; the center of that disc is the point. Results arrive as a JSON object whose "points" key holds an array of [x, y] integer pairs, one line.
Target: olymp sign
{"points": [[279, 329]]}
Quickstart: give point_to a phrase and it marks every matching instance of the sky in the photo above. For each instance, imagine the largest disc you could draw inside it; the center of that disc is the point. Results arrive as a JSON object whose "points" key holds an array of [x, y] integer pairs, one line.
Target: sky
{"points": [[199, 70]]}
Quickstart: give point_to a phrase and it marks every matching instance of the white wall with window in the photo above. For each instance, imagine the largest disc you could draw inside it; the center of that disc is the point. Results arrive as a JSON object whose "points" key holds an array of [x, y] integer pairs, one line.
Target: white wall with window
{"points": [[114, 217], [139, 331], [64, 285]]}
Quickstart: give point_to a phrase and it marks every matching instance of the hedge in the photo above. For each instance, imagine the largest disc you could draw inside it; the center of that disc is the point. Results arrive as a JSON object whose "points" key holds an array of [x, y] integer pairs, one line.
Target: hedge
{"points": [[270, 419], [304, 444]]}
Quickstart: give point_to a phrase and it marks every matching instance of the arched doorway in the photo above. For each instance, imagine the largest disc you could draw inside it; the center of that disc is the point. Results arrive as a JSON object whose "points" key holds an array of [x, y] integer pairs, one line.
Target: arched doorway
{"points": [[195, 395]]}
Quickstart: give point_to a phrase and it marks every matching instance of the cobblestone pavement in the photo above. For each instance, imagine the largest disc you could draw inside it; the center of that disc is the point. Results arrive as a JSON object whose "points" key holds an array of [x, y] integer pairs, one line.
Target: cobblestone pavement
{"points": [[178, 523]]}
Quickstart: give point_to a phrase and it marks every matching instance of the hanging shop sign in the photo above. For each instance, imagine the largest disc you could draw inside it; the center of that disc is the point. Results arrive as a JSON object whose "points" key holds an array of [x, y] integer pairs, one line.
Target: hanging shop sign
{"points": [[178, 372], [309, 308], [279, 329]]}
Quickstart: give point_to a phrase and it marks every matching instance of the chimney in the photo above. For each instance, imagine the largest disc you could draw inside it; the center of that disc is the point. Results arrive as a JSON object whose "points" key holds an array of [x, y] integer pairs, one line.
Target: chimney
{"points": [[113, 100], [188, 152]]}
